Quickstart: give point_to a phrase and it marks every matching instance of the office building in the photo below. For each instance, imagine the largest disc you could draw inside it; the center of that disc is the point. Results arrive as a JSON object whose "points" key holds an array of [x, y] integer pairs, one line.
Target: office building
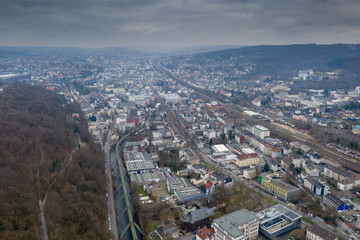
{"points": [[238, 225], [279, 188], [278, 220], [260, 131]]}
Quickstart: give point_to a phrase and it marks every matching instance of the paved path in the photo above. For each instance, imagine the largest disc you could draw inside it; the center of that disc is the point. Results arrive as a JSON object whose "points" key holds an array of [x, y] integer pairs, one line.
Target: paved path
{"points": [[41, 215]]}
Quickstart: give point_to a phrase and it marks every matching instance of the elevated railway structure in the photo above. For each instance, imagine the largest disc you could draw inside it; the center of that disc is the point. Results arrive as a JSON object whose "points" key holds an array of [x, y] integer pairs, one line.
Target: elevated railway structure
{"points": [[134, 228]]}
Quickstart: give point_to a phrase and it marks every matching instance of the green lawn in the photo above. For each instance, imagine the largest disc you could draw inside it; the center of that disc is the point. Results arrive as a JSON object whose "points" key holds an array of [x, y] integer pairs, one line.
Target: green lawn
{"points": [[308, 221], [211, 166], [141, 190], [253, 191]]}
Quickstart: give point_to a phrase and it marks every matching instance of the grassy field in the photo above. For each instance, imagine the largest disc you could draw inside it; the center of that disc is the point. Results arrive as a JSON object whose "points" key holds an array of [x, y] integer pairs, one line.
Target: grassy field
{"points": [[308, 221], [210, 166], [141, 190]]}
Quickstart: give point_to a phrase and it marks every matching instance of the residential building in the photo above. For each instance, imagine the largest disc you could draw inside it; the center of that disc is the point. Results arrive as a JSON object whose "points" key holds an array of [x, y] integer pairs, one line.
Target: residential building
{"points": [[256, 102], [239, 138], [260, 131], [199, 143], [238, 225], [316, 186], [356, 129], [319, 233], [249, 173], [297, 161], [305, 74], [167, 230], [196, 219], [205, 233], [346, 184]]}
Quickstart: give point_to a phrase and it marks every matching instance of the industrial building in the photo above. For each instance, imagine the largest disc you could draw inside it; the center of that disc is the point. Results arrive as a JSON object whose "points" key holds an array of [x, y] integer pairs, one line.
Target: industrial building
{"points": [[238, 225], [333, 201], [147, 178], [183, 190], [173, 98], [278, 220], [220, 153], [140, 162]]}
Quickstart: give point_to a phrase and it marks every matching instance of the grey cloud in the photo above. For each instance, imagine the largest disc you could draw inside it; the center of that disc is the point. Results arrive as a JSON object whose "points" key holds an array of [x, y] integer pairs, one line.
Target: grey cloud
{"points": [[99, 23]]}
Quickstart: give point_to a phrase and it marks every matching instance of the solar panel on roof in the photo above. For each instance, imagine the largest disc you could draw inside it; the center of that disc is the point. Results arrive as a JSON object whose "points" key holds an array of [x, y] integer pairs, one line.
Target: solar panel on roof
{"points": [[292, 215]]}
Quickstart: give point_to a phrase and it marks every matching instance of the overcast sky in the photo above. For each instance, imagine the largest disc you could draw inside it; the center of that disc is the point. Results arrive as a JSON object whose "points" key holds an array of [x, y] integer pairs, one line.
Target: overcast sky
{"points": [[102, 23]]}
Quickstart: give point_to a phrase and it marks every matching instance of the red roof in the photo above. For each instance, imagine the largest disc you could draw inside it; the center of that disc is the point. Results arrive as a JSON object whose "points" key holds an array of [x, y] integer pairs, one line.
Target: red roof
{"points": [[205, 232], [208, 184]]}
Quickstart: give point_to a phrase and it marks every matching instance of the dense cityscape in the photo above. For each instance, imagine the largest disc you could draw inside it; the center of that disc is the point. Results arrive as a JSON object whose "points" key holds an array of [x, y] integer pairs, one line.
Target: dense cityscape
{"points": [[202, 146]]}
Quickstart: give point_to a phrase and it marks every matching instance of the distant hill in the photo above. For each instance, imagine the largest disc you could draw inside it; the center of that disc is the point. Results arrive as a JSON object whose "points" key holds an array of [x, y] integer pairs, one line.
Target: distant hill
{"points": [[301, 56], [37, 137], [84, 53], [287, 60]]}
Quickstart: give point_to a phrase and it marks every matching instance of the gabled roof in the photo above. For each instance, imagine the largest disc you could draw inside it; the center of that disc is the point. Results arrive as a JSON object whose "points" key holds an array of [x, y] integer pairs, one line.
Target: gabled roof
{"points": [[208, 184], [197, 215], [205, 232], [322, 232], [166, 228]]}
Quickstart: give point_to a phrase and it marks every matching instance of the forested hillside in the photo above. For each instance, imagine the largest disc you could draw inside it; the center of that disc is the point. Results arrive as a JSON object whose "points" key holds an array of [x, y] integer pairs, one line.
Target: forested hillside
{"points": [[37, 138], [284, 62], [273, 58]]}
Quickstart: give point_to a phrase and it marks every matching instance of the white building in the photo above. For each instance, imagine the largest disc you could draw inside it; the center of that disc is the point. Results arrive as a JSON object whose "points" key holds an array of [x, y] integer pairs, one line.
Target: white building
{"points": [[260, 131], [238, 225], [220, 153]]}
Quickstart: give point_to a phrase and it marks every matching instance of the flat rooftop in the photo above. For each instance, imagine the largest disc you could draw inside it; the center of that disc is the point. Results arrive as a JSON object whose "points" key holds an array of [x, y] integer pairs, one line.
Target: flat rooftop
{"points": [[176, 182], [145, 178], [261, 128], [231, 222], [277, 211], [282, 185], [220, 148], [276, 224], [247, 150], [133, 156], [136, 166], [187, 193], [277, 218]]}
